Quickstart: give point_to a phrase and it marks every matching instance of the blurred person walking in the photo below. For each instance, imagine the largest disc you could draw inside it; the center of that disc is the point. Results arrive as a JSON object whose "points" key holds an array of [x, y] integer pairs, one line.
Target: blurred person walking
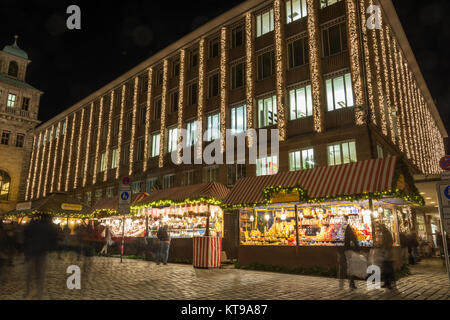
{"points": [[3, 253], [387, 268], [351, 246], [164, 245], [108, 241], [40, 238], [413, 248]]}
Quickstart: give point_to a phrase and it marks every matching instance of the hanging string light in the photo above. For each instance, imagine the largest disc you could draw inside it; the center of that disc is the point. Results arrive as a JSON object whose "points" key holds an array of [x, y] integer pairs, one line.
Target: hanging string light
{"points": [[250, 73], [163, 112], [56, 157], [50, 156], [148, 117], [36, 165], [99, 133], [32, 164], [108, 137], [133, 126], [119, 143], [88, 145], [280, 67], [63, 151], [80, 141], [201, 97], [223, 85], [181, 99], [44, 153]]}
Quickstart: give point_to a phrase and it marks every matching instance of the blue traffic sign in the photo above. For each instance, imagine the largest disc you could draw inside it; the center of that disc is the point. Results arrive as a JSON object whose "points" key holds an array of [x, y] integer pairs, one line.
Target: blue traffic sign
{"points": [[447, 192], [125, 196]]}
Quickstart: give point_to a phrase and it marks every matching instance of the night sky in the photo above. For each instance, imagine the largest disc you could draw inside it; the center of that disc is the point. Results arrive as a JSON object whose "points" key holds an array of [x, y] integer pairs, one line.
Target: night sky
{"points": [[116, 36]]}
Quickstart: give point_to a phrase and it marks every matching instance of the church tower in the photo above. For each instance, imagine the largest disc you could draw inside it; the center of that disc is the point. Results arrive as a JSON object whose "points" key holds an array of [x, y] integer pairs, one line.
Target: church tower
{"points": [[19, 106]]}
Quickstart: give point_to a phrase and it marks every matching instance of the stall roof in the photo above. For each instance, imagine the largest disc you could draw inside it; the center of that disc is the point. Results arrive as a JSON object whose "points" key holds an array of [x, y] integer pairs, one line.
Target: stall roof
{"points": [[212, 190], [370, 176], [113, 203], [56, 204]]}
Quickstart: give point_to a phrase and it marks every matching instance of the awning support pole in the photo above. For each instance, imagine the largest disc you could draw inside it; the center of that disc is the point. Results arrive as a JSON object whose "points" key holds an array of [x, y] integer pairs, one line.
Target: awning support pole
{"points": [[372, 220], [297, 239]]}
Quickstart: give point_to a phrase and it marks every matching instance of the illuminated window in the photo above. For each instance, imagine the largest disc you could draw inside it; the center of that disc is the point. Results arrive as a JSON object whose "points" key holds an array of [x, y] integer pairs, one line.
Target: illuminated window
{"points": [[326, 3], [213, 127], [155, 144], [267, 166], [295, 10], [298, 53], [11, 100], [267, 112], [173, 140], [380, 151], [115, 156], [239, 119], [334, 40], [301, 160], [300, 102], [339, 92], [191, 134], [64, 127], [264, 23], [342, 153], [5, 184]]}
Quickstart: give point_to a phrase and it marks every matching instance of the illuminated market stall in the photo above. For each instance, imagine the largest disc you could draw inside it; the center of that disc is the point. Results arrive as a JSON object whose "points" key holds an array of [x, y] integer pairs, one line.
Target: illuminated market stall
{"points": [[298, 219]]}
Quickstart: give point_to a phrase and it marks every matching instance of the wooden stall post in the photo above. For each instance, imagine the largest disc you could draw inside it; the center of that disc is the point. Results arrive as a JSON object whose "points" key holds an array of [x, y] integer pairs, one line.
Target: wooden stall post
{"points": [[207, 233], [297, 239], [123, 239]]}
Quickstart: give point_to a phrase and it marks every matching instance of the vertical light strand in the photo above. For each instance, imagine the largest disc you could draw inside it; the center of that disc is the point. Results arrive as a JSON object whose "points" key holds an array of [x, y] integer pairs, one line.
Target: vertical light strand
{"points": [[181, 99], [280, 66], [80, 141], [201, 97], [367, 53], [120, 138], [50, 150], [36, 165], [416, 121], [148, 117], [427, 145], [163, 113], [56, 157], [44, 154], [97, 147], [355, 61], [315, 64], [411, 115], [88, 145], [32, 165], [406, 114], [63, 153], [223, 85], [108, 137], [133, 126], [250, 73], [69, 165]]}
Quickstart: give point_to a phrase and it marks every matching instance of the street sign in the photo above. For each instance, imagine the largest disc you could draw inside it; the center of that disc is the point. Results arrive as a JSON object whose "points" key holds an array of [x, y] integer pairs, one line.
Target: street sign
{"points": [[124, 199], [71, 207], [23, 206], [126, 181], [443, 191], [445, 163]]}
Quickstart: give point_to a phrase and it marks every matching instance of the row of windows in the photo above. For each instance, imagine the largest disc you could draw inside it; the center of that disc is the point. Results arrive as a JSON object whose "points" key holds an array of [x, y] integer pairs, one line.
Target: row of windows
{"points": [[6, 139], [11, 102]]}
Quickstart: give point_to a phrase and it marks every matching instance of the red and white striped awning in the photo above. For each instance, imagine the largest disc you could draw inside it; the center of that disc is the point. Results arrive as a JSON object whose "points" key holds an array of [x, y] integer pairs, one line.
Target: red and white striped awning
{"points": [[350, 179]]}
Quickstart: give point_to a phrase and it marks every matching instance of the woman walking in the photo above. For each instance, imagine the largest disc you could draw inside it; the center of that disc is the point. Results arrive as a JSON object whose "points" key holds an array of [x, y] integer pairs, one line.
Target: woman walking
{"points": [[164, 245]]}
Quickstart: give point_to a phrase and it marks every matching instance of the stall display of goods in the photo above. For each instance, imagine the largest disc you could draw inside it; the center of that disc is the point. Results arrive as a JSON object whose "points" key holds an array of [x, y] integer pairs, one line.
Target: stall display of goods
{"points": [[186, 227]]}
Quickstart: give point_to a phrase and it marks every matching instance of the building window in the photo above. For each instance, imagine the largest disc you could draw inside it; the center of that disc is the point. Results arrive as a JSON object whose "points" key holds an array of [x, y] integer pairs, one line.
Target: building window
{"points": [[326, 3], [98, 195], [110, 192], [91, 167], [295, 10], [140, 149], [115, 156], [264, 23], [5, 185], [103, 162], [267, 112], [188, 178], [214, 48], [64, 127], [237, 37], [20, 140], [192, 94], [339, 92], [105, 131], [237, 76], [137, 186], [88, 198], [298, 53], [173, 140], [176, 68], [5, 137], [191, 133], [213, 127], [300, 102], [25, 104], [214, 85], [168, 181], [301, 160], [144, 83], [174, 101], [11, 100], [380, 152], [267, 166], [210, 174], [342, 153], [239, 119], [160, 77], [142, 113], [129, 122], [150, 184], [116, 126], [193, 58], [266, 65], [334, 40], [155, 144], [13, 69], [235, 172], [56, 132], [157, 109], [126, 154]]}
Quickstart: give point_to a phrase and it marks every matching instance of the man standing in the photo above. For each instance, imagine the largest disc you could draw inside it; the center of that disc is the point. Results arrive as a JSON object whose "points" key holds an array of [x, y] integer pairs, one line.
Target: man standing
{"points": [[164, 244]]}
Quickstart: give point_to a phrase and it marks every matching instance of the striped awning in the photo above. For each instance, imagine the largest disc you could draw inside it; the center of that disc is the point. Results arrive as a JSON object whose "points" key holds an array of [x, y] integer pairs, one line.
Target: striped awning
{"points": [[212, 190], [369, 176]]}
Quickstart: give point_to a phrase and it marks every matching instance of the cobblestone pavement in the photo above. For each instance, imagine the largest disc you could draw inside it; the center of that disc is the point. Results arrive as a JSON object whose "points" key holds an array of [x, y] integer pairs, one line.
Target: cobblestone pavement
{"points": [[107, 278]]}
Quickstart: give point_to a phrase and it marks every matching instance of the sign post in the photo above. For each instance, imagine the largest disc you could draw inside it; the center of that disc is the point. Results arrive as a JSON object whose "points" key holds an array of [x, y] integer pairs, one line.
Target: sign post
{"points": [[124, 207], [443, 191]]}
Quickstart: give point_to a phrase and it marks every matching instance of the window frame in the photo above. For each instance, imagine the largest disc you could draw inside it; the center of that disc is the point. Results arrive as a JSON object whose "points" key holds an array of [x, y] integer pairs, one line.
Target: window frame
{"points": [[308, 101], [260, 24], [266, 166], [289, 5], [261, 67], [302, 161], [212, 133], [341, 153], [266, 117], [234, 117], [345, 77]]}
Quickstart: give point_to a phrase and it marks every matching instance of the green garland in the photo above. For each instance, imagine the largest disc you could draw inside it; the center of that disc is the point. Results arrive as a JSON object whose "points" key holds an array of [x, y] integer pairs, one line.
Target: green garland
{"points": [[167, 202], [53, 214]]}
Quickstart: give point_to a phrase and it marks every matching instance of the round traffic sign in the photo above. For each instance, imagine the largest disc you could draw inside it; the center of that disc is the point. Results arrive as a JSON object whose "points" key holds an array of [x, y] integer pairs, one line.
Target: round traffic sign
{"points": [[125, 196], [126, 181], [445, 163], [447, 192]]}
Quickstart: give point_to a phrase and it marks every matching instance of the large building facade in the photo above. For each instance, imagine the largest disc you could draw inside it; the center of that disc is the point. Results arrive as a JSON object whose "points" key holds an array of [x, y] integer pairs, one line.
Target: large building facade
{"points": [[336, 90], [19, 106]]}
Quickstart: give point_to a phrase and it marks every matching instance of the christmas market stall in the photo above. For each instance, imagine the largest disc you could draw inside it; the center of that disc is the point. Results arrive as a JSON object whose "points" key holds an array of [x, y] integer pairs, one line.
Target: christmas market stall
{"points": [[189, 211], [297, 219]]}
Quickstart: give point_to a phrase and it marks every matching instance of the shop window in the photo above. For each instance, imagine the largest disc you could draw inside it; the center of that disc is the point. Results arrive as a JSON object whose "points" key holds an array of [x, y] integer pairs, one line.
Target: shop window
{"points": [[155, 144], [300, 102], [172, 142], [192, 94], [239, 119], [301, 160], [298, 53], [342, 153], [267, 166], [13, 69], [25, 104], [5, 185], [267, 112], [11, 100], [237, 37], [339, 92], [264, 23], [210, 174], [326, 3], [168, 181], [295, 10], [115, 156], [214, 85], [5, 137], [191, 133], [235, 172], [188, 178], [266, 65], [151, 184], [334, 40], [237, 76], [213, 127]]}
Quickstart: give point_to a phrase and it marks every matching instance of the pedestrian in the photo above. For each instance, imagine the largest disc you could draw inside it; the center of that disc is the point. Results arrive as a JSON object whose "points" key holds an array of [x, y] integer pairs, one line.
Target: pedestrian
{"points": [[10, 243], [3, 252], [66, 239], [40, 237], [164, 244], [351, 246], [413, 248], [108, 241], [404, 247], [387, 270]]}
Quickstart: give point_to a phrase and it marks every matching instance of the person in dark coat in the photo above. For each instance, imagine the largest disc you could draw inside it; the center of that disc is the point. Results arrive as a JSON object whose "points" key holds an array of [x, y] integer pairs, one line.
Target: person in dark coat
{"points": [[387, 270], [350, 245], [164, 244], [40, 237], [413, 248], [3, 253]]}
